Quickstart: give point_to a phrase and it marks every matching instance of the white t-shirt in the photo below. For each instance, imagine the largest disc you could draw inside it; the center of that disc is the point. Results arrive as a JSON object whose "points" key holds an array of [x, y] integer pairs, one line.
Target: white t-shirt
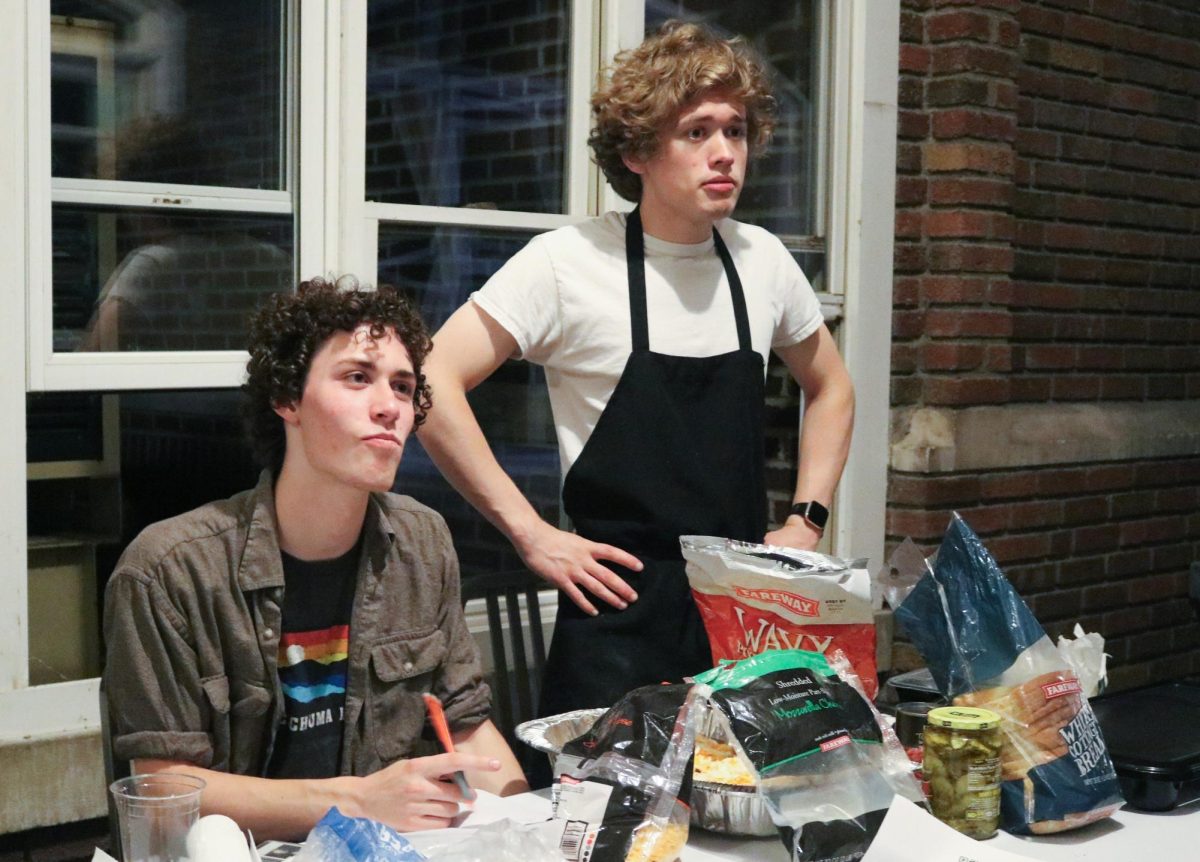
{"points": [[564, 298]]}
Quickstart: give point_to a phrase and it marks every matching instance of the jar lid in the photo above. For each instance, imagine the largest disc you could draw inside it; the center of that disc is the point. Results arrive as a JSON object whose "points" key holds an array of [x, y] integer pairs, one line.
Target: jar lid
{"points": [[964, 718]]}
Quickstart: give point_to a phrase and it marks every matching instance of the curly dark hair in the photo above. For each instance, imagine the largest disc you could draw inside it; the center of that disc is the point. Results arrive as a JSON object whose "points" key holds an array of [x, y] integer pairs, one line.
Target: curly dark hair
{"points": [[287, 331], [648, 87]]}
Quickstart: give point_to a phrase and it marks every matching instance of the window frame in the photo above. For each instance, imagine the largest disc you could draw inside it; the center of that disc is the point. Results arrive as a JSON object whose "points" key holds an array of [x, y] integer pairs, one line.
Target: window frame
{"points": [[47, 370], [360, 218]]}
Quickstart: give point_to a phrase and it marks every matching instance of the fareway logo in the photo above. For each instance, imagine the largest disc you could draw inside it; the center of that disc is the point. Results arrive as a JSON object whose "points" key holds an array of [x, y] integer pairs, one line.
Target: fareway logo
{"points": [[796, 604], [1058, 689]]}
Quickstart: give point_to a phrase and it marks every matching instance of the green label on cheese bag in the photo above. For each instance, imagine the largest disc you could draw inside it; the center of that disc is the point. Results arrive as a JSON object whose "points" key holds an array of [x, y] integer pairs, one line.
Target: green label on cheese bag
{"points": [[785, 705], [739, 673]]}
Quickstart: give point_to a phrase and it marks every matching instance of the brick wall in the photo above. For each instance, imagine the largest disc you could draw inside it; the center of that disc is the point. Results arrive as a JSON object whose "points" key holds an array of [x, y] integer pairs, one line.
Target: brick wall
{"points": [[466, 103], [1047, 268]]}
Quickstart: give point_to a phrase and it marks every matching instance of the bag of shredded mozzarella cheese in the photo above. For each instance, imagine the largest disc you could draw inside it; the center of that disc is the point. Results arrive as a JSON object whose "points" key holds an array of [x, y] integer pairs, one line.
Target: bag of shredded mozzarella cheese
{"points": [[828, 765], [755, 598]]}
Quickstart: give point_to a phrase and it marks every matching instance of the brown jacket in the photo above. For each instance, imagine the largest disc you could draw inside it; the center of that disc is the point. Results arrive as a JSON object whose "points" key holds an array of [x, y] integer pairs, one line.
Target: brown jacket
{"points": [[191, 623]]}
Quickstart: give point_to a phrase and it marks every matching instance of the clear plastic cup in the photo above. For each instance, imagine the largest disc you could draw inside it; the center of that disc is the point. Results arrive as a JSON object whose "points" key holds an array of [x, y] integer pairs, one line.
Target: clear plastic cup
{"points": [[155, 813]]}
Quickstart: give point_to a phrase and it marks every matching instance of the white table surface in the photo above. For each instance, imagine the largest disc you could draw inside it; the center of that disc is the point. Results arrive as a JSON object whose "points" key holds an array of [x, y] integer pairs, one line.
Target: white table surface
{"points": [[1128, 836]]}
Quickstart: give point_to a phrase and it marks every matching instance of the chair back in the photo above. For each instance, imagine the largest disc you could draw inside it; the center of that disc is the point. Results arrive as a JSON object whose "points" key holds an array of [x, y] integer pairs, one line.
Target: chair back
{"points": [[113, 770], [518, 655]]}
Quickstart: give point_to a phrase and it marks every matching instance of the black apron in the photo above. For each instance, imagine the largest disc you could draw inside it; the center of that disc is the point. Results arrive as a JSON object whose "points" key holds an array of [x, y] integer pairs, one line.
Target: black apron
{"points": [[678, 450]]}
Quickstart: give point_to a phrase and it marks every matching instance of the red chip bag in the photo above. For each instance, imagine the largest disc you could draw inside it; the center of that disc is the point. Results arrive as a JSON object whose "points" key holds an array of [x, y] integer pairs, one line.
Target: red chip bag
{"points": [[755, 598]]}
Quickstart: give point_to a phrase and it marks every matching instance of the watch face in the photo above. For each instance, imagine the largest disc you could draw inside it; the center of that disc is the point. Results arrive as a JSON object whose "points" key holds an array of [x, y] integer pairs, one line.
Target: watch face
{"points": [[814, 513]]}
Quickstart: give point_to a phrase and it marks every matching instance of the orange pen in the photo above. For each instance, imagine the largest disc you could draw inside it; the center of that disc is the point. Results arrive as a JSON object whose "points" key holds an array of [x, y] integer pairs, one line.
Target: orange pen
{"points": [[437, 717]]}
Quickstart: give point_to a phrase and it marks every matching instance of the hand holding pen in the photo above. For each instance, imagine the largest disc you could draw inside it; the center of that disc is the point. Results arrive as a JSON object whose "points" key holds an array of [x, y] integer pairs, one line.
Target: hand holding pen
{"points": [[414, 793], [437, 718]]}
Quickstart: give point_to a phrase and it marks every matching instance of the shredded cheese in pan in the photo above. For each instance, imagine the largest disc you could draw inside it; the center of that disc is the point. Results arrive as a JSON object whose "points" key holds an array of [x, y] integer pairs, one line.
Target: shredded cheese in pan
{"points": [[655, 843], [717, 763]]}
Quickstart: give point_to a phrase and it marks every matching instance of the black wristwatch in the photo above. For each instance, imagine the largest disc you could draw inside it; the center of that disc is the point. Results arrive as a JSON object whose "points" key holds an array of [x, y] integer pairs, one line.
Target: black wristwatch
{"points": [[814, 513]]}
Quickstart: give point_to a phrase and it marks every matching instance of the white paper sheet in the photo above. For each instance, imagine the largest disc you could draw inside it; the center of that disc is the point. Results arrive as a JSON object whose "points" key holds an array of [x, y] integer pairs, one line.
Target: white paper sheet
{"points": [[524, 808], [911, 834]]}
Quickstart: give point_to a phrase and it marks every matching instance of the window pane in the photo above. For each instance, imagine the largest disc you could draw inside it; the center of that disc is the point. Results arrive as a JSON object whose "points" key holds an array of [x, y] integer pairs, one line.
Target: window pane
{"points": [[177, 450], [168, 91], [812, 264], [149, 279], [466, 103], [439, 267], [780, 192]]}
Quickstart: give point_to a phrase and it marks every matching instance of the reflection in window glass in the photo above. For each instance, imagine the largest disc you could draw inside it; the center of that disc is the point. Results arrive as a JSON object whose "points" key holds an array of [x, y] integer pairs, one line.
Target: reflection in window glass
{"points": [[439, 267], [812, 264], [177, 450], [466, 103], [167, 91], [780, 186], [151, 279]]}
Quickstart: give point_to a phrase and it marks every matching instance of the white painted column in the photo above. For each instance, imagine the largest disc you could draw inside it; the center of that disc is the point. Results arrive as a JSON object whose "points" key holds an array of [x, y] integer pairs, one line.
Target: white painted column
{"points": [[867, 252], [14, 219]]}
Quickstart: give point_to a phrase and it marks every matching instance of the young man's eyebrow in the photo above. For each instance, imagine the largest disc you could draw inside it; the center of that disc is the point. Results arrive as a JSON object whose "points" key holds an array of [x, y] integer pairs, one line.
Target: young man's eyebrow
{"points": [[370, 364], [688, 119], [366, 361], [356, 361]]}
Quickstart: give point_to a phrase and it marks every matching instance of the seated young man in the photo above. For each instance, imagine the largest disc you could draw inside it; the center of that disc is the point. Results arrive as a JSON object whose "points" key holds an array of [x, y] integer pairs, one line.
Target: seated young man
{"points": [[277, 643]]}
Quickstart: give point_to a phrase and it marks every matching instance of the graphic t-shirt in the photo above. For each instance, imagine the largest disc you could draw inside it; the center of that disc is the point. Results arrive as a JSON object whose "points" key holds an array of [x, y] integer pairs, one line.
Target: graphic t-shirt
{"points": [[313, 650]]}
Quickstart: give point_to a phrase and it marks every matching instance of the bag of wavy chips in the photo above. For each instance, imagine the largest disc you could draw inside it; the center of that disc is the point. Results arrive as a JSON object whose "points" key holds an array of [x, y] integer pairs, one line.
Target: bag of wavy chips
{"points": [[985, 648], [827, 763], [622, 787], [754, 598]]}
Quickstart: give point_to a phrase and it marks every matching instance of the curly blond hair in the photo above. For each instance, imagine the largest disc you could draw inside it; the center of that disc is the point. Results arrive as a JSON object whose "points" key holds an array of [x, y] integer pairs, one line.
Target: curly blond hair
{"points": [[648, 87]]}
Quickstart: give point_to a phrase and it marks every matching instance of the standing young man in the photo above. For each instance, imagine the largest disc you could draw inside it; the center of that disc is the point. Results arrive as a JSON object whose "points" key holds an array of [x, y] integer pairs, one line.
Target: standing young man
{"points": [[653, 329], [277, 643]]}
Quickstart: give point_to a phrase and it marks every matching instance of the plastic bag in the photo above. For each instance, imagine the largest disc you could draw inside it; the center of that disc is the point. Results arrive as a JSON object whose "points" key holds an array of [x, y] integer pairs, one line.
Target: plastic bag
{"points": [[622, 787], [827, 763], [500, 841], [984, 648], [1084, 653], [338, 838], [755, 597]]}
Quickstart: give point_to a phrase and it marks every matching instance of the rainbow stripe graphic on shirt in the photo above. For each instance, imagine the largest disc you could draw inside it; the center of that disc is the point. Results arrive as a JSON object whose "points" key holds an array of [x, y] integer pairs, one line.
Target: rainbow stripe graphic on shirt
{"points": [[313, 664]]}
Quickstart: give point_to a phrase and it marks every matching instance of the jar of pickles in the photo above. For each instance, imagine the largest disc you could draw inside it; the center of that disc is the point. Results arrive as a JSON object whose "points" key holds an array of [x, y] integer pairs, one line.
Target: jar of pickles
{"points": [[962, 766]]}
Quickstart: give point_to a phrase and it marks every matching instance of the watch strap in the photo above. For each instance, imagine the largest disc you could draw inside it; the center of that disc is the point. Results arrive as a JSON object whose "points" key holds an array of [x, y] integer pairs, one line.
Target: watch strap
{"points": [[812, 512]]}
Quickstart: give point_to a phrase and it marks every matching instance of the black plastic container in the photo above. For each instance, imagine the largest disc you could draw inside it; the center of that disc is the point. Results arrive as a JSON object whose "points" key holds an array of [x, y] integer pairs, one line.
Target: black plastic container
{"points": [[913, 685], [1153, 737]]}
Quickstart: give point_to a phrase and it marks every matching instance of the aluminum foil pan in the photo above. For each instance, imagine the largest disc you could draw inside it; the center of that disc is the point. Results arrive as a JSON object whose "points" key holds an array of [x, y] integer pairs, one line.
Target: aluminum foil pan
{"points": [[550, 734], [731, 810], [724, 808]]}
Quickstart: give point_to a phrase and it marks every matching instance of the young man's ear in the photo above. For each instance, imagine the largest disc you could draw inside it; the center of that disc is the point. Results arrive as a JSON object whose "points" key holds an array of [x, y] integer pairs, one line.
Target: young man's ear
{"points": [[638, 166], [287, 412]]}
